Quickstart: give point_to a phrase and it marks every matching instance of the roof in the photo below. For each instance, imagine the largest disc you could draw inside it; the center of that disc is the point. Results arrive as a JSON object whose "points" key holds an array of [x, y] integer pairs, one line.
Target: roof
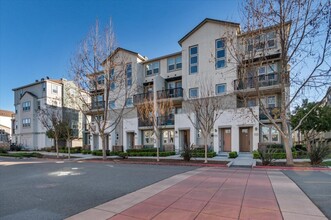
{"points": [[30, 93], [125, 50], [6, 113], [263, 29], [164, 56], [59, 81], [204, 22]]}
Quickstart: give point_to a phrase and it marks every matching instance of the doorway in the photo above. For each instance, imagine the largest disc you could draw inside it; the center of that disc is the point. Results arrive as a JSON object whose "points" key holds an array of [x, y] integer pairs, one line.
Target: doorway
{"points": [[225, 139], [184, 139], [245, 136], [130, 140]]}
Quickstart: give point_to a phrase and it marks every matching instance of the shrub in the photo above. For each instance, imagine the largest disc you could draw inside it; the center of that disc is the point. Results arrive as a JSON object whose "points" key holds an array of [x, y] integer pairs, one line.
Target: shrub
{"points": [[233, 154], [3, 151], [300, 147], [256, 154], [318, 153], [275, 146], [123, 155], [86, 152], [187, 154], [141, 150], [267, 155]]}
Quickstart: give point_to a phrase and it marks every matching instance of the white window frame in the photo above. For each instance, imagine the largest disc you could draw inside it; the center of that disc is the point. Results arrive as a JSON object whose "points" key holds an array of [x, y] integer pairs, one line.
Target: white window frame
{"points": [[26, 106], [216, 89], [272, 103], [177, 65], [55, 89], [26, 122], [150, 137], [220, 49], [128, 78], [270, 129], [191, 56], [154, 67], [192, 89]]}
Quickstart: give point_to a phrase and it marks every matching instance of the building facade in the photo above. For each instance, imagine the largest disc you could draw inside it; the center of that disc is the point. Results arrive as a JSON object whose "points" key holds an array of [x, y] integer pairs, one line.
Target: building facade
{"points": [[29, 100], [208, 60], [5, 127]]}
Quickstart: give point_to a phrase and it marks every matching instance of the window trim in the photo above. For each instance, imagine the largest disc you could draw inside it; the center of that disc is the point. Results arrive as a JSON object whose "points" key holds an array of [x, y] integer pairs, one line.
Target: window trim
{"points": [[26, 122], [191, 89], [219, 49], [216, 89], [152, 68], [26, 106], [175, 63], [126, 75], [195, 55]]}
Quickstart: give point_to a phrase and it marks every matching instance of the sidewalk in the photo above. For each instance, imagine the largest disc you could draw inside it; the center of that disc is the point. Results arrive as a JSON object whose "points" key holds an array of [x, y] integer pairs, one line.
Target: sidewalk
{"points": [[212, 193]]}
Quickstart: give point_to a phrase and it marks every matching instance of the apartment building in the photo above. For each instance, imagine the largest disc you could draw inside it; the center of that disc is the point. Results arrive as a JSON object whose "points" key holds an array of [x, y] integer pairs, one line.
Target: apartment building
{"points": [[5, 127], [45, 93], [206, 56]]}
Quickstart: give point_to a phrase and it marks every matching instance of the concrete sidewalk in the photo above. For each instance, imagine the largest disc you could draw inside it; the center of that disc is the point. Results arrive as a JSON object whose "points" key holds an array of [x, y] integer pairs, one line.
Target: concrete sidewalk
{"points": [[212, 193]]}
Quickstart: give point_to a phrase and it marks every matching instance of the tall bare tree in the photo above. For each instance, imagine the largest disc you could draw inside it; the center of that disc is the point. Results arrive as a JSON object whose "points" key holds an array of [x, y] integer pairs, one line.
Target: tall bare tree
{"points": [[51, 119], [205, 109], [156, 114], [103, 78], [296, 35]]}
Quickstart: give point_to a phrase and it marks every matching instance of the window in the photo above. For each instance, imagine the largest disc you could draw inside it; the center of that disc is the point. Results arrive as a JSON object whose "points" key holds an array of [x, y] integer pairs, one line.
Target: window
{"points": [[98, 118], [112, 80], [168, 137], [54, 88], [101, 79], [220, 89], [21, 92], [271, 101], [269, 134], [152, 68], [38, 105], [251, 102], [174, 63], [128, 72], [271, 39], [259, 42], [26, 122], [193, 59], [194, 93], [26, 106], [128, 102], [148, 138], [250, 45], [44, 86], [220, 60], [112, 104]]}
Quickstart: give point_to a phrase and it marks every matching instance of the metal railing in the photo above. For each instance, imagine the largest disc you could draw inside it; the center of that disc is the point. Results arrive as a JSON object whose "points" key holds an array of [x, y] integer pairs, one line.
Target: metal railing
{"points": [[170, 93], [142, 97], [258, 81]]}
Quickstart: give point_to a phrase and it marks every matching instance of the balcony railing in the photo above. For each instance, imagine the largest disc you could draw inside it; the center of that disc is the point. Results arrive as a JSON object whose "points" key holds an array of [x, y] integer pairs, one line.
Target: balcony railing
{"points": [[144, 123], [170, 93], [143, 97], [258, 81], [273, 112], [97, 105], [166, 120]]}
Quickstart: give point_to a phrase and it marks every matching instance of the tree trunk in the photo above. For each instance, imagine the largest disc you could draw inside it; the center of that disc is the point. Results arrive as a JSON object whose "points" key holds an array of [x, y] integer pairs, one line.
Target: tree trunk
{"points": [[206, 150], [307, 140], [56, 147], [288, 150], [157, 137], [103, 144], [69, 146]]}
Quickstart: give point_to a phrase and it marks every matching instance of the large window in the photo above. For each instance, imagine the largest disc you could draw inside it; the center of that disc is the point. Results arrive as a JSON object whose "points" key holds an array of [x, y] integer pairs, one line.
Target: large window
{"points": [[269, 134], [153, 68], [26, 122], [271, 101], [26, 106], [193, 59], [220, 53], [148, 138], [128, 72], [112, 80], [194, 93], [174, 63], [167, 136], [101, 79], [44, 86], [129, 102], [220, 89], [262, 41], [267, 72]]}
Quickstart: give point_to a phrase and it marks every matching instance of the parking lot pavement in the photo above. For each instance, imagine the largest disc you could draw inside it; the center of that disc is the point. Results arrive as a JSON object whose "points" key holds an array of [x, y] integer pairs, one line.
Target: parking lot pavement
{"points": [[316, 185], [57, 189]]}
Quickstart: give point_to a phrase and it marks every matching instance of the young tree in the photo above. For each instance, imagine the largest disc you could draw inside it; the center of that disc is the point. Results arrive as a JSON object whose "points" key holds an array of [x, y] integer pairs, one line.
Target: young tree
{"points": [[156, 114], [204, 110], [102, 76], [296, 35], [316, 119], [51, 118]]}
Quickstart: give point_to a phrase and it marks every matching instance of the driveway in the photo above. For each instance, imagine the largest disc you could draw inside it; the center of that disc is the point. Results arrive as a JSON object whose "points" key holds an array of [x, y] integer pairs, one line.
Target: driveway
{"points": [[50, 190], [316, 185]]}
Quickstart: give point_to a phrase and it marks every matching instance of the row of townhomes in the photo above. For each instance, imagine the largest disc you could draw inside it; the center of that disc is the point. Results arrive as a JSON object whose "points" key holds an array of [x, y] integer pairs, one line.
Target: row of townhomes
{"points": [[208, 60], [49, 97], [211, 58]]}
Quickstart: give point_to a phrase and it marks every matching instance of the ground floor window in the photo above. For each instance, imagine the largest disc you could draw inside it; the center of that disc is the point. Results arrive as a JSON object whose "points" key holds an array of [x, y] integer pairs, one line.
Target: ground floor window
{"points": [[269, 134], [148, 137], [168, 136]]}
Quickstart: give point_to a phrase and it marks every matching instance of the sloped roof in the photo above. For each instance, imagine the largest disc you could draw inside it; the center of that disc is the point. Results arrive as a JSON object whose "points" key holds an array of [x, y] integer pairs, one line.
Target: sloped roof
{"points": [[204, 22], [125, 50], [30, 93]]}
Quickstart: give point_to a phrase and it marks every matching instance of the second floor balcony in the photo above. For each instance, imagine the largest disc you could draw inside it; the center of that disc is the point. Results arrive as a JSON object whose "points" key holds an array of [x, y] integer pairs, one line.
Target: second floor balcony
{"points": [[170, 93], [142, 97], [167, 120]]}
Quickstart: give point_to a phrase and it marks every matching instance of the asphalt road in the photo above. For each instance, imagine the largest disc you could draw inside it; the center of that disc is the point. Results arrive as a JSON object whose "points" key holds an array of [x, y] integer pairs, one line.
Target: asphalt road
{"points": [[58, 190], [316, 185]]}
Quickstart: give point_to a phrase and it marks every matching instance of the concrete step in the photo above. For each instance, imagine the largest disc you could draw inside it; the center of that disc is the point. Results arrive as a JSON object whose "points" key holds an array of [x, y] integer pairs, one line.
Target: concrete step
{"points": [[244, 160]]}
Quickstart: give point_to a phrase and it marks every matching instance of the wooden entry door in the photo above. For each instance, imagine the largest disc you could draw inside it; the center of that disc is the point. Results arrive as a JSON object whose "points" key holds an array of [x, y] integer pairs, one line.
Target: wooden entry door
{"points": [[226, 139], [130, 140], [245, 139]]}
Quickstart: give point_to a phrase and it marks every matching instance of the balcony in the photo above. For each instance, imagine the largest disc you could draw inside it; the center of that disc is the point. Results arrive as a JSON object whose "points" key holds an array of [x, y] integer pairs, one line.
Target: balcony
{"points": [[166, 120], [273, 112], [262, 81], [144, 123], [97, 105], [170, 93], [143, 97]]}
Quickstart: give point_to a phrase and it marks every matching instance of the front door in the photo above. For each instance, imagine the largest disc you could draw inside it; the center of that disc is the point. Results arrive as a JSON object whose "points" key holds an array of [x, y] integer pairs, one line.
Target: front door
{"points": [[225, 139], [245, 139], [130, 141]]}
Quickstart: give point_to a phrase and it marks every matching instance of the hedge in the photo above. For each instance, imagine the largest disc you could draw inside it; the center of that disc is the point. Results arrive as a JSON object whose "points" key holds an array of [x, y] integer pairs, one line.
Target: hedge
{"points": [[278, 155], [233, 154], [150, 154], [202, 154], [141, 150]]}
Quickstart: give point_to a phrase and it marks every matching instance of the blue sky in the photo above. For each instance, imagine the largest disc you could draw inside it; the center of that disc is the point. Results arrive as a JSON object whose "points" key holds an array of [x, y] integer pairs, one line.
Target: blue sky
{"points": [[38, 37]]}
